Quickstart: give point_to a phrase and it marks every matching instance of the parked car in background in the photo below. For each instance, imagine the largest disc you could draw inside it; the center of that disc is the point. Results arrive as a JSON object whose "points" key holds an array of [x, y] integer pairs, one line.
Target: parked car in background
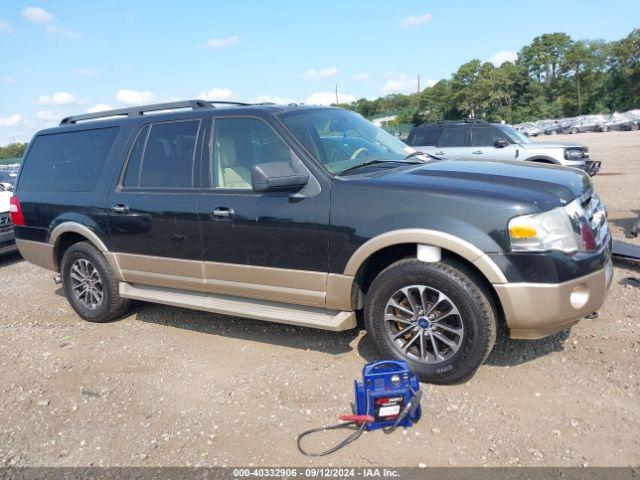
{"points": [[588, 123], [480, 140], [7, 236], [9, 173], [307, 215], [557, 127], [529, 129], [622, 121]]}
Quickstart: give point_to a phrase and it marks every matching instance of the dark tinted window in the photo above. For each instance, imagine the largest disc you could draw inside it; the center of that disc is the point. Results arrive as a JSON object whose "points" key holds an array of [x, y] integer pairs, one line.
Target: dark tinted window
{"points": [[240, 143], [484, 136], [452, 137], [132, 175], [424, 136], [67, 162], [168, 156]]}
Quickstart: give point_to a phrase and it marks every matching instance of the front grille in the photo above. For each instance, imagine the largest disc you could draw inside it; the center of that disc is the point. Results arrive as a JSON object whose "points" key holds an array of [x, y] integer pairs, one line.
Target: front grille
{"points": [[596, 214]]}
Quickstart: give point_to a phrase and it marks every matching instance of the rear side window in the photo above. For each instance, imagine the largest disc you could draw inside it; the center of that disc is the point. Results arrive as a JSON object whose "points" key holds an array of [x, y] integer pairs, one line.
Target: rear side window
{"points": [[452, 137], [67, 162], [424, 136], [163, 156]]}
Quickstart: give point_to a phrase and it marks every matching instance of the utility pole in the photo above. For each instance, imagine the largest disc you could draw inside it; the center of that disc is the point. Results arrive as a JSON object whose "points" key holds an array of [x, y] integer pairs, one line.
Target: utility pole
{"points": [[337, 95], [418, 83]]}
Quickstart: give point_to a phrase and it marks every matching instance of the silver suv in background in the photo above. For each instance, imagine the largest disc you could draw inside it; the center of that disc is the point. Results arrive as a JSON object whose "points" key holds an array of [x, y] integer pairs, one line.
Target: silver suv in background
{"points": [[481, 140]]}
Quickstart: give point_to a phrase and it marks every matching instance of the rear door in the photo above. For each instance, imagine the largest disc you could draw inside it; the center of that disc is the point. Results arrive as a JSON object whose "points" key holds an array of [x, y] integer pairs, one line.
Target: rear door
{"points": [[481, 145], [452, 143], [153, 218]]}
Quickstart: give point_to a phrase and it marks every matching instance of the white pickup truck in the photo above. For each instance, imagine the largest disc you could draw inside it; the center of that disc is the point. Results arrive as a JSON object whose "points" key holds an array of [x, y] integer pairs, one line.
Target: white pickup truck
{"points": [[7, 237]]}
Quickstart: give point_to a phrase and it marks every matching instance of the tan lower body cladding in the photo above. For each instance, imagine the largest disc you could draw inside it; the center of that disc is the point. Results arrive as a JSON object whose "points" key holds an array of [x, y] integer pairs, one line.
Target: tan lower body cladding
{"points": [[315, 289]]}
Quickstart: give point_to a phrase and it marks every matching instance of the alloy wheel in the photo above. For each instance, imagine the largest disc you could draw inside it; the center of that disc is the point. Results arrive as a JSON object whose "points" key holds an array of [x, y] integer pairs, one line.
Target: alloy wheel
{"points": [[86, 284], [424, 324]]}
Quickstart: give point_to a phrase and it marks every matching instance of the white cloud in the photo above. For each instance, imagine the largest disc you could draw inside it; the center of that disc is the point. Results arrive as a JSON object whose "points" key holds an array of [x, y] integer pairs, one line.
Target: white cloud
{"points": [[313, 74], [503, 56], [327, 98], [360, 76], [429, 83], [222, 42], [415, 20], [400, 84], [47, 116], [216, 94], [84, 72], [9, 80], [100, 107], [270, 99], [134, 97], [5, 27], [10, 121], [59, 98], [37, 15]]}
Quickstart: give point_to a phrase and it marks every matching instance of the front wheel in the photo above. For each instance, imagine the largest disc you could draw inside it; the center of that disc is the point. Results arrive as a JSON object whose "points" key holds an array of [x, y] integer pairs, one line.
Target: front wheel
{"points": [[434, 316]]}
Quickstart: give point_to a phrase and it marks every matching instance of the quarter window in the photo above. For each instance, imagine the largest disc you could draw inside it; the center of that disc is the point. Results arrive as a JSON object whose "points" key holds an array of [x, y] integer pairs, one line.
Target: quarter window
{"points": [[163, 156], [452, 137], [424, 136], [239, 144], [67, 162]]}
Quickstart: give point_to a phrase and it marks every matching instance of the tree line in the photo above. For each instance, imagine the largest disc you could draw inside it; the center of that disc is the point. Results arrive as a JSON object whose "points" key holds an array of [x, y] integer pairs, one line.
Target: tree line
{"points": [[553, 77], [12, 150]]}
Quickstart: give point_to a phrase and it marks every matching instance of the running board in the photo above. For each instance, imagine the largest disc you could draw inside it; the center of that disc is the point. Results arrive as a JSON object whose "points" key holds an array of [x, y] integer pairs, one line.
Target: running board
{"points": [[300, 315]]}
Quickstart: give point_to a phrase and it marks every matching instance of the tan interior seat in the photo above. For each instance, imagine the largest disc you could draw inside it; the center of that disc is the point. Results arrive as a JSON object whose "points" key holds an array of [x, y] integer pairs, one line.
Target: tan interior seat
{"points": [[231, 175]]}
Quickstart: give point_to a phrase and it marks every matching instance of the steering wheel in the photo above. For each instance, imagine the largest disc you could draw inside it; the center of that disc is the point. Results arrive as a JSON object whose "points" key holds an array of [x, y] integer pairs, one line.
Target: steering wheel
{"points": [[358, 152]]}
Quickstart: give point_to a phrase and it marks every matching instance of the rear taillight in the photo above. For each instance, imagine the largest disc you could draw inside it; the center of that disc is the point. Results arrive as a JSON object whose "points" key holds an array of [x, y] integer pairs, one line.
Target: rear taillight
{"points": [[15, 210], [587, 238]]}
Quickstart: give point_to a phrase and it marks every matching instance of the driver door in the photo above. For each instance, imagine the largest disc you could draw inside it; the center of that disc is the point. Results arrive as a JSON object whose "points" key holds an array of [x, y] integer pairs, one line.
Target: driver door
{"points": [[267, 245], [481, 145]]}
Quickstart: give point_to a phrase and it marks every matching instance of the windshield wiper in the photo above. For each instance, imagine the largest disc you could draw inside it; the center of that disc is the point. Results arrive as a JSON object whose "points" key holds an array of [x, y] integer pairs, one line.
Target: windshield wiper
{"points": [[366, 164]]}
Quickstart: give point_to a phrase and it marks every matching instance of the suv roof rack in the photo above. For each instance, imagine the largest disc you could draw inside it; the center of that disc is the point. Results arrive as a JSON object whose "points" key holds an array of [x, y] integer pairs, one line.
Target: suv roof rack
{"points": [[465, 120], [138, 111]]}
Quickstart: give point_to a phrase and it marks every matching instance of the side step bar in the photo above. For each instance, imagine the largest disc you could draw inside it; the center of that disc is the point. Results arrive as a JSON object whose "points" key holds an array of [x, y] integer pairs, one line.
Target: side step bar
{"points": [[243, 307]]}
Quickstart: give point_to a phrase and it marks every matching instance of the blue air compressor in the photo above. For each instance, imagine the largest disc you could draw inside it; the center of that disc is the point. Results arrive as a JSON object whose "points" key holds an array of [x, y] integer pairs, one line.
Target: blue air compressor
{"points": [[387, 398]]}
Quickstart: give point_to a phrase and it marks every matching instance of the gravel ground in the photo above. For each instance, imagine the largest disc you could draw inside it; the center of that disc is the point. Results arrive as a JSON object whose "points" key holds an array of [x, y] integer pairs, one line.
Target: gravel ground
{"points": [[166, 386]]}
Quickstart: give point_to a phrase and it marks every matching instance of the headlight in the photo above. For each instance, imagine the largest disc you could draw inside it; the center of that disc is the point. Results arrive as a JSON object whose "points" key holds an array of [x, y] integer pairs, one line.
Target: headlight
{"points": [[564, 229], [573, 154]]}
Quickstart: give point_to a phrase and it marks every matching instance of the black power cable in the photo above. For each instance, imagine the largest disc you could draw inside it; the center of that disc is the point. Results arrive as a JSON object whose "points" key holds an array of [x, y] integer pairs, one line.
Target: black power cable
{"points": [[411, 408]]}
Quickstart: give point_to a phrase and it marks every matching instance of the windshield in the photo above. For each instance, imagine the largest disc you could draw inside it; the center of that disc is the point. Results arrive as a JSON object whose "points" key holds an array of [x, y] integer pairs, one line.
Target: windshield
{"points": [[341, 139], [514, 135]]}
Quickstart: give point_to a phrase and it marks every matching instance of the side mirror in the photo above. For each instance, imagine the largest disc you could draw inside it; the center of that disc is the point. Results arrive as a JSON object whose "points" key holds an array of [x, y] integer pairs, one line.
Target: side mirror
{"points": [[500, 143], [273, 176]]}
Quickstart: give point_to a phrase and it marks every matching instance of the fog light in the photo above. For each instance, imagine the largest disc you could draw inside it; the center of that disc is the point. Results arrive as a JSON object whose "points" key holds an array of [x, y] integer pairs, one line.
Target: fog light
{"points": [[579, 297]]}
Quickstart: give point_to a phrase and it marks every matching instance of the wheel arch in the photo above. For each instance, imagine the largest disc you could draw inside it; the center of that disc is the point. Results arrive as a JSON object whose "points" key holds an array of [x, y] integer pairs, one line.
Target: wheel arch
{"points": [[543, 159], [381, 251], [68, 233]]}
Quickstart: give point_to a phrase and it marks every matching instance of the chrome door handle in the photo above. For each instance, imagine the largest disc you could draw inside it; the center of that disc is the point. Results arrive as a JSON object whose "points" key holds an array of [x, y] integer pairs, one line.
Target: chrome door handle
{"points": [[477, 152], [222, 212], [120, 208]]}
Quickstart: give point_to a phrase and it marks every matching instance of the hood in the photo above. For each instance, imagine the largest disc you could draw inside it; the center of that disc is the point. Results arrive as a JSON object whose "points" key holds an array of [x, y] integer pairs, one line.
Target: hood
{"points": [[537, 145], [4, 201], [547, 186]]}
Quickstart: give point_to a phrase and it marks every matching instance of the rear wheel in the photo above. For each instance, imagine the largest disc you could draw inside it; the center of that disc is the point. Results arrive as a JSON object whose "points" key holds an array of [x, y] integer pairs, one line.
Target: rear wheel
{"points": [[573, 130], [90, 285], [634, 127], [434, 316]]}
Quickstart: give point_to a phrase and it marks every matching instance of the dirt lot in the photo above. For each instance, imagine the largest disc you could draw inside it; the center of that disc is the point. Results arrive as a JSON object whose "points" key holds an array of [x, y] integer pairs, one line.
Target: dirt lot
{"points": [[166, 386]]}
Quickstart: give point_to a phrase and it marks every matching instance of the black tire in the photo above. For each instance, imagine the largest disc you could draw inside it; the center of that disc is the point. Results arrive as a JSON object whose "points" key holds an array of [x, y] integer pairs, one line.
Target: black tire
{"points": [[112, 305], [476, 314], [634, 127], [573, 131]]}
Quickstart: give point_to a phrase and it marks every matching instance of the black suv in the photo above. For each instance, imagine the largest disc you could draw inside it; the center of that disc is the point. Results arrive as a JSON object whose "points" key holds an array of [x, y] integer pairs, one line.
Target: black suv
{"points": [[306, 216], [481, 140]]}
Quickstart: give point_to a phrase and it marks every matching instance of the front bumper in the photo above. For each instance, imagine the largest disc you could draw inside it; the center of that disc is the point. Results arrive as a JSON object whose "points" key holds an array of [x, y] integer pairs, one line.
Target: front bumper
{"points": [[7, 241], [592, 167], [535, 310]]}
